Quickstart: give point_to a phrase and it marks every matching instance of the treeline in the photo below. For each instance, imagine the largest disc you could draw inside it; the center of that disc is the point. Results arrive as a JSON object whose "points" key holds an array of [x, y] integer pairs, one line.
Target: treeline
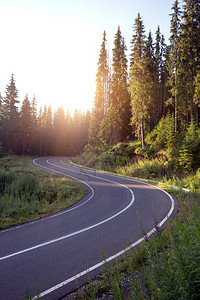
{"points": [[25, 131], [161, 80], [160, 85]]}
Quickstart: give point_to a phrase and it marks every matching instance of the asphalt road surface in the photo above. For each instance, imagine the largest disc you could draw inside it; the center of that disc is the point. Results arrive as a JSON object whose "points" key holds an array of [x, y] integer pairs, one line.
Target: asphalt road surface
{"points": [[55, 255]]}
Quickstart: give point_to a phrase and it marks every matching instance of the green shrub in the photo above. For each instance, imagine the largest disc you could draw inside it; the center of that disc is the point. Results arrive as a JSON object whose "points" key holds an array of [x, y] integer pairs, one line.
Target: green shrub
{"points": [[145, 168], [189, 154], [163, 136], [110, 159]]}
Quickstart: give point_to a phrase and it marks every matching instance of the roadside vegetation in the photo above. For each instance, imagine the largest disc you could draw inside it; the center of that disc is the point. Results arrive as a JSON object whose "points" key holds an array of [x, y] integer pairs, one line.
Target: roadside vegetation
{"points": [[27, 193], [167, 265]]}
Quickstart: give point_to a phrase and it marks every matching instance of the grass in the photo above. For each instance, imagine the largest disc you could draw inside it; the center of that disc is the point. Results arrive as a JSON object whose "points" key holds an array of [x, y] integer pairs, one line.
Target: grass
{"points": [[167, 265], [27, 194]]}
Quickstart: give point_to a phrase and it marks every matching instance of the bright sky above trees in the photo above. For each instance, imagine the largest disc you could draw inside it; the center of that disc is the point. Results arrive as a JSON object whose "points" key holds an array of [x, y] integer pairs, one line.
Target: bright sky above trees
{"points": [[52, 46]]}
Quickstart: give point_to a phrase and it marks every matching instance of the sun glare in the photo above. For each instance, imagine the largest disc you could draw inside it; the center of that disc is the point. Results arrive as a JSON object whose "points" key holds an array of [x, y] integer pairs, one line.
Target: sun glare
{"points": [[53, 58]]}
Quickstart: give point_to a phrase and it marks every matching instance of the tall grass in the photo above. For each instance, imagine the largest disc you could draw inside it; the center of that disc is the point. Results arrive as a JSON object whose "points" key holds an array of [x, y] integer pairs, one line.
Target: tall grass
{"points": [[27, 194], [145, 168], [167, 266]]}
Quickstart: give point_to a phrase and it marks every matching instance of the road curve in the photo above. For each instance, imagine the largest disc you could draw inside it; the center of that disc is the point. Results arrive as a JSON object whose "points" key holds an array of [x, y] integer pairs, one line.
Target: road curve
{"points": [[56, 254]]}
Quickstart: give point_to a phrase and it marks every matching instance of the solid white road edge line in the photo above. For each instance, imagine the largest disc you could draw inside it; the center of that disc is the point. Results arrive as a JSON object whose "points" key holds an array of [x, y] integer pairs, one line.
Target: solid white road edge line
{"points": [[59, 213], [126, 176], [79, 231], [113, 256]]}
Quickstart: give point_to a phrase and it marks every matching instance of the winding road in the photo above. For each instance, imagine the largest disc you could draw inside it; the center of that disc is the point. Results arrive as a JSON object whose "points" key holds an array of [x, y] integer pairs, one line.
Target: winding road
{"points": [[55, 255]]}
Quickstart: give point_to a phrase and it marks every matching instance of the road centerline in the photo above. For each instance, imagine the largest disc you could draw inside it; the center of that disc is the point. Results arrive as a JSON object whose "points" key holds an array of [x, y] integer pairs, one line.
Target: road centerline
{"points": [[81, 230]]}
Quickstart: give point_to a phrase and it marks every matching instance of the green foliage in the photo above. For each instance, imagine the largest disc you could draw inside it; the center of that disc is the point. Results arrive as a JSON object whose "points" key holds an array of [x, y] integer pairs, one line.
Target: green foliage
{"points": [[166, 266], [123, 149], [24, 131], [163, 136], [197, 90], [101, 97], [174, 273], [27, 194], [110, 160], [189, 155], [145, 168]]}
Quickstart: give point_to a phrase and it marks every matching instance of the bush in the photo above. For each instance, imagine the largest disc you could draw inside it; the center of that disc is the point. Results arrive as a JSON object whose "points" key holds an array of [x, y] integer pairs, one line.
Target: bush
{"points": [[189, 154], [109, 159], [163, 136]]}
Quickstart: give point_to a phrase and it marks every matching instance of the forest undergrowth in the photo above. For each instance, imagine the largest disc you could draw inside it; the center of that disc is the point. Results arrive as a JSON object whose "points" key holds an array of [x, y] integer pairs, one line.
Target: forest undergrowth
{"points": [[167, 265]]}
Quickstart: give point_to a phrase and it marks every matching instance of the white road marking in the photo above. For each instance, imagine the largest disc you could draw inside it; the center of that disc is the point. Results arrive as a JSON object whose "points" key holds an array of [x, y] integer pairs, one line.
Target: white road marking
{"points": [[59, 213], [84, 272], [65, 282], [79, 231]]}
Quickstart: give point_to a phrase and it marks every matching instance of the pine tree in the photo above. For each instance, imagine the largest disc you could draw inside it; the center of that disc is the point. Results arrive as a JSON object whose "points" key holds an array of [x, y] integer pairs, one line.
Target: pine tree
{"points": [[40, 128], [190, 46], [158, 63], [34, 128], [49, 131], [152, 69], [163, 75], [69, 132], [26, 125], [59, 124], [119, 112], [149, 52], [10, 116], [138, 40], [34, 111], [160, 50], [174, 53], [141, 83], [102, 94], [197, 95]]}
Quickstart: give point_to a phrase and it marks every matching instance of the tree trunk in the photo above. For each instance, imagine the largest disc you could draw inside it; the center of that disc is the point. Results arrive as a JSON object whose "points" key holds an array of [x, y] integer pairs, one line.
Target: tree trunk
{"points": [[142, 134], [175, 104], [192, 96]]}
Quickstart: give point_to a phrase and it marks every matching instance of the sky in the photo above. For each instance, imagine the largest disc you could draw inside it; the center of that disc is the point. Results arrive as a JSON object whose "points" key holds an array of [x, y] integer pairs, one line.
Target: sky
{"points": [[52, 46]]}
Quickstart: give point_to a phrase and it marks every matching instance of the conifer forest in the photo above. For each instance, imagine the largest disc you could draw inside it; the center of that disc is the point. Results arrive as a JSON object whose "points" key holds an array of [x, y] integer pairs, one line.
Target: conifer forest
{"points": [[156, 98], [152, 95], [27, 131]]}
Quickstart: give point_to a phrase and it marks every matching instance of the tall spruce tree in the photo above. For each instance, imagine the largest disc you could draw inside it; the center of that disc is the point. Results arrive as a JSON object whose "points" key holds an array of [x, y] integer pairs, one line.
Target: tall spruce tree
{"points": [[10, 116], [120, 97], [163, 75], [149, 52], [102, 95], [26, 126], [116, 128], [59, 122], [174, 54], [197, 96], [160, 49], [158, 63], [190, 47], [141, 83], [34, 127], [152, 69]]}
